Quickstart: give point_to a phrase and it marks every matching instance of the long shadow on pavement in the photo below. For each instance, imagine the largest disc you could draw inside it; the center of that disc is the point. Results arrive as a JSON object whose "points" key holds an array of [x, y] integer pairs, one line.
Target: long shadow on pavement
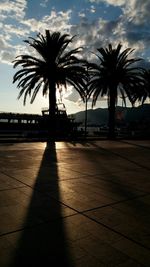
{"points": [[43, 239]]}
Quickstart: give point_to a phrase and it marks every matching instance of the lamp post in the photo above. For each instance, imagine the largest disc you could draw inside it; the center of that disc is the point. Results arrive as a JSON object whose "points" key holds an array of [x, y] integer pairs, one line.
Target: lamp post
{"points": [[86, 99], [85, 121]]}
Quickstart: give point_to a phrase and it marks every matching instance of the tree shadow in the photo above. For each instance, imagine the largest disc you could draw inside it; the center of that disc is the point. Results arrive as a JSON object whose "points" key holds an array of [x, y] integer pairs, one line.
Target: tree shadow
{"points": [[43, 239]]}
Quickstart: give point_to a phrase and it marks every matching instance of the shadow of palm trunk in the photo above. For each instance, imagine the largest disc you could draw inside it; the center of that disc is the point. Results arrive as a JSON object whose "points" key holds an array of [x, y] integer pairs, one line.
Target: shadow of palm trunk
{"points": [[43, 240]]}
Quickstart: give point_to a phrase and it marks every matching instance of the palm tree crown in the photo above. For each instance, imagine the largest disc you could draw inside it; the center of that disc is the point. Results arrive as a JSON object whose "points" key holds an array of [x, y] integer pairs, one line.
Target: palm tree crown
{"points": [[114, 75], [51, 68]]}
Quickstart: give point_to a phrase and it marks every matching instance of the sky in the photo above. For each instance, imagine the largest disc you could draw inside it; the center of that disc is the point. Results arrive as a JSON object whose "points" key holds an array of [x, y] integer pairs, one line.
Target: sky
{"points": [[96, 23]]}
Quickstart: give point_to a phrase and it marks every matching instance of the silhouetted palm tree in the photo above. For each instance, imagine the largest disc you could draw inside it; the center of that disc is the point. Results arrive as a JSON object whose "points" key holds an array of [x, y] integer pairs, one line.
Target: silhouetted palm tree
{"points": [[114, 75], [51, 67], [144, 90]]}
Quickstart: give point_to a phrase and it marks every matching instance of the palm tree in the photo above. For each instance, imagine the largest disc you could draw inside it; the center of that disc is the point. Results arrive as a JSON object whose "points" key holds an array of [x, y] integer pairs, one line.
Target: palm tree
{"points": [[52, 67], [113, 76], [144, 90]]}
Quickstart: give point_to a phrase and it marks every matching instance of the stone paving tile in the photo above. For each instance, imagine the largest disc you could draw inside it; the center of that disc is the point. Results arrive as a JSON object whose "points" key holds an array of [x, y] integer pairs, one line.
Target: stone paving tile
{"points": [[89, 261], [7, 182], [22, 207], [49, 241], [70, 190], [127, 151], [73, 236], [88, 192], [136, 252], [138, 207], [130, 263], [41, 246], [98, 164], [107, 236], [143, 143], [21, 146], [24, 176], [104, 252], [132, 226], [96, 243], [136, 179], [100, 185], [108, 216]]}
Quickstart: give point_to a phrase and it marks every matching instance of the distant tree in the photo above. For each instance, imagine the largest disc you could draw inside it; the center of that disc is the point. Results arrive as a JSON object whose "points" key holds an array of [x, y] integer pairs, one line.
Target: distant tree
{"points": [[114, 76], [51, 67]]}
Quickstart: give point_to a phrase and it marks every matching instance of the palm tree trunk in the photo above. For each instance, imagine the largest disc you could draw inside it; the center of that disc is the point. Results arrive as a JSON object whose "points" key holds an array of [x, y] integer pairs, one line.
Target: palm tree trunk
{"points": [[52, 110], [111, 110]]}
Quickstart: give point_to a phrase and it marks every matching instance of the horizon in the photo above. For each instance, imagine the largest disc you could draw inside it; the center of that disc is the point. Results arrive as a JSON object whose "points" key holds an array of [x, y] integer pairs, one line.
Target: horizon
{"points": [[89, 109]]}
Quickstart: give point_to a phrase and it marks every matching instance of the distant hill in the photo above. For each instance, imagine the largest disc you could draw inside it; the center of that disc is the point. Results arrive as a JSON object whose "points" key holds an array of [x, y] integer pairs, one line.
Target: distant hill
{"points": [[100, 115]]}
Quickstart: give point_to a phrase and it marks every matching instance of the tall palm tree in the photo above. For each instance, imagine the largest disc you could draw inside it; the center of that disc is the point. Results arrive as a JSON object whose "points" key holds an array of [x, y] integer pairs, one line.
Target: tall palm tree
{"points": [[53, 66], [112, 76]]}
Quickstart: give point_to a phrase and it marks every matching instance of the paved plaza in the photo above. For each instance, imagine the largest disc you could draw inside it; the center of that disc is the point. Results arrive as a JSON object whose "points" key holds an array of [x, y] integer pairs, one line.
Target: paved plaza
{"points": [[75, 204]]}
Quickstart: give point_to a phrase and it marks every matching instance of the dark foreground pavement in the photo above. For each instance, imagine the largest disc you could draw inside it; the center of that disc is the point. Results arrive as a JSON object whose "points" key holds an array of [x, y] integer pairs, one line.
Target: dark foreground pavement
{"points": [[75, 204]]}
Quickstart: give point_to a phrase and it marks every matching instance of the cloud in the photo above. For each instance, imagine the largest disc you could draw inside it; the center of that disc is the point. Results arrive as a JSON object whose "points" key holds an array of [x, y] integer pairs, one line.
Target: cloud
{"points": [[145, 63], [26, 27], [8, 49], [18, 31], [110, 2], [13, 9], [72, 95], [3, 43], [138, 11], [131, 28], [7, 56], [7, 52], [92, 9], [44, 3], [55, 21], [93, 35], [58, 20], [81, 14]]}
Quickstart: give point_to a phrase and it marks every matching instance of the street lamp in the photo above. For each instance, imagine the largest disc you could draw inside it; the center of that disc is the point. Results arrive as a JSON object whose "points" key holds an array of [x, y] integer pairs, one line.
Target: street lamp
{"points": [[86, 97], [85, 121]]}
